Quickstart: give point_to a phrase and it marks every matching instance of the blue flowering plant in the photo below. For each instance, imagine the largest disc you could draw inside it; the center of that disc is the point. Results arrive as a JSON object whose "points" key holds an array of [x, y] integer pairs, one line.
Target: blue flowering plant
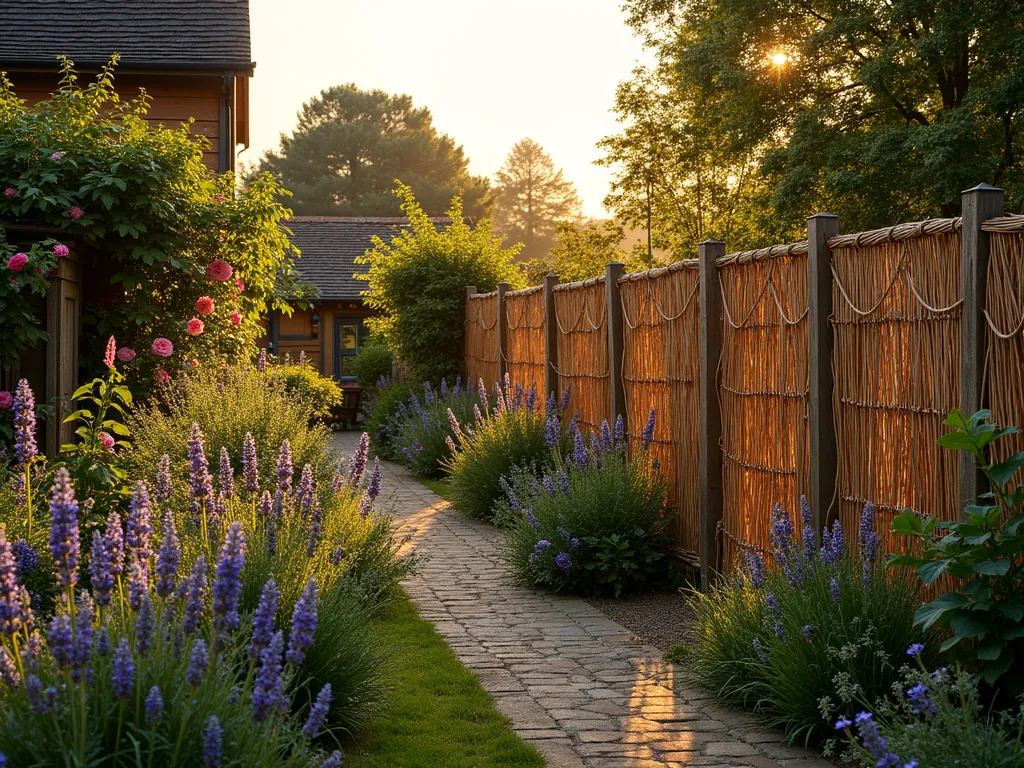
{"points": [[984, 551], [386, 410], [930, 718], [144, 672], [795, 628], [594, 521], [510, 428], [433, 420]]}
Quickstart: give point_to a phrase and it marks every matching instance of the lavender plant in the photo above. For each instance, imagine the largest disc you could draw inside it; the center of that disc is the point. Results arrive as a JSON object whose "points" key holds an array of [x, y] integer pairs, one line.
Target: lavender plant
{"points": [[428, 433], [593, 523]]}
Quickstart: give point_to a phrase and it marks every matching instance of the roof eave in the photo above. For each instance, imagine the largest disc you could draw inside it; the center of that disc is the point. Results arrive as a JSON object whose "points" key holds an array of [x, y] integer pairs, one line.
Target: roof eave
{"points": [[243, 68]]}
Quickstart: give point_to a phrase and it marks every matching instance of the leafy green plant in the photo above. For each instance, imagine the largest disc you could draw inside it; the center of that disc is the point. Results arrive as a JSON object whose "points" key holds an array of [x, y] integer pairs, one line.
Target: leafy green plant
{"points": [[386, 409], [26, 279], [594, 525], [985, 550], [372, 362], [315, 391], [426, 435]]}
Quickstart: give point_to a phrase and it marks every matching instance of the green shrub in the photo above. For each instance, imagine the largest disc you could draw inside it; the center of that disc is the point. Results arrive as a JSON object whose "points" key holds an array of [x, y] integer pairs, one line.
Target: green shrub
{"points": [[512, 434], [792, 639], [937, 719], [317, 392], [594, 525], [426, 436], [385, 411], [984, 549], [372, 363]]}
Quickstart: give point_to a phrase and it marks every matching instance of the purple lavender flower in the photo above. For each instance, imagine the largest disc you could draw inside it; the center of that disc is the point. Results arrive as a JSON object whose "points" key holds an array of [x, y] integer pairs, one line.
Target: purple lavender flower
{"points": [[532, 518], [833, 588], [620, 430], [198, 661], [920, 701], [285, 470], [444, 388], [755, 569], [250, 464], [138, 582], [453, 424], [227, 474], [164, 489], [103, 641], [24, 408], [606, 437], [303, 624], [64, 529], [563, 405], [772, 604], [647, 436], [808, 536], [34, 691], [760, 650], [482, 393], [539, 549], [304, 494], [271, 536], [266, 506], [563, 561], [808, 632], [81, 650], [214, 735], [874, 742], [140, 529], [580, 455], [428, 393], [227, 585], [318, 712], [915, 649], [266, 695], [549, 485], [11, 614], [145, 623], [9, 675], [513, 500], [563, 481], [168, 559], [196, 604], [154, 706], [201, 479], [113, 539], [358, 463], [26, 557], [337, 555], [786, 554], [333, 760], [552, 430], [477, 415], [61, 641], [263, 620], [867, 539], [19, 488], [374, 483]]}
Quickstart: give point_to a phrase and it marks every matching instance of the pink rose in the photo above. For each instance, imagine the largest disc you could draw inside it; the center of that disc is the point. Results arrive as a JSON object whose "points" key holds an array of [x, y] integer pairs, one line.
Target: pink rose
{"points": [[126, 354], [76, 213], [218, 198], [60, 251], [107, 440], [236, 319], [163, 347], [163, 376], [17, 262], [195, 326], [240, 284], [10, 192], [6, 400], [56, 155], [219, 270], [204, 305]]}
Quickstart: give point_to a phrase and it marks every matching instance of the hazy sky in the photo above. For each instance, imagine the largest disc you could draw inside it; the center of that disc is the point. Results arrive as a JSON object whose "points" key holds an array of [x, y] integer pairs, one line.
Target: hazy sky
{"points": [[491, 73]]}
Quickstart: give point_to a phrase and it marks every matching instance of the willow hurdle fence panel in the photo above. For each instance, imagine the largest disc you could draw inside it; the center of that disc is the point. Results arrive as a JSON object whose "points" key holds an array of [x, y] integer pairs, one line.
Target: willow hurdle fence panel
{"points": [[481, 355], [661, 359], [582, 320], [1004, 316], [897, 302], [525, 327], [763, 391]]}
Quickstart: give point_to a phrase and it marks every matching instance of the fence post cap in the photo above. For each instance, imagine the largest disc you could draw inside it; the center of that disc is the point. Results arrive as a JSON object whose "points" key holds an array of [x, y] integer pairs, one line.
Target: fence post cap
{"points": [[983, 187], [711, 241], [823, 215]]}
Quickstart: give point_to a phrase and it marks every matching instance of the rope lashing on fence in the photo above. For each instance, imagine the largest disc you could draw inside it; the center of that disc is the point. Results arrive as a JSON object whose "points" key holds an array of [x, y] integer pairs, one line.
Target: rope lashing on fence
{"points": [[649, 296], [480, 313], [768, 287], [721, 531], [762, 254], [905, 231]]}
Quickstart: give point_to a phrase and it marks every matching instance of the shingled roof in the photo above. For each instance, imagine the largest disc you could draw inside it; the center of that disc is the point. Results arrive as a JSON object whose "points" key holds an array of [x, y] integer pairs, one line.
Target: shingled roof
{"points": [[194, 34], [330, 246]]}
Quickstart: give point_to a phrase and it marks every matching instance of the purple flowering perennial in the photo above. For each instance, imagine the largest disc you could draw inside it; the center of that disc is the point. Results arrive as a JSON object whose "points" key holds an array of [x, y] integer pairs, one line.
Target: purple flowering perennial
{"points": [[867, 540], [140, 529], [580, 455], [333, 760], [113, 538], [482, 393], [532, 518], [82, 645], [123, 672], [303, 624], [563, 562], [786, 553], [138, 582], [428, 393], [285, 470], [920, 701], [374, 484], [24, 409], [444, 388], [168, 559], [620, 430], [318, 713], [453, 424], [61, 641], [164, 488], [358, 464], [755, 569], [263, 620], [647, 436], [915, 649], [227, 474], [34, 692], [250, 464], [606, 437], [200, 477], [550, 405], [64, 529], [539, 549], [266, 506], [563, 404], [9, 675], [306, 490], [549, 485], [227, 585], [145, 623], [261, 361], [198, 661], [213, 738], [833, 547], [196, 603], [833, 588], [154, 706], [552, 430], [563, 481], [266, 695], [12, 618]]}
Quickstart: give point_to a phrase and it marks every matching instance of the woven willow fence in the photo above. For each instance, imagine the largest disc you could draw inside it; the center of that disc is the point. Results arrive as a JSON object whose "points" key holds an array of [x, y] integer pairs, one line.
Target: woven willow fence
{"points": [[660, 367], [762, 390], [481, 337], [524, 338], [582, 321], [896, 299]]}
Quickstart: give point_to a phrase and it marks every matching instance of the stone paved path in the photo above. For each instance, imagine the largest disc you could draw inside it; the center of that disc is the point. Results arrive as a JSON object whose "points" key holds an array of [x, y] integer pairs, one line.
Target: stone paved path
{"points": [[573, 682]]}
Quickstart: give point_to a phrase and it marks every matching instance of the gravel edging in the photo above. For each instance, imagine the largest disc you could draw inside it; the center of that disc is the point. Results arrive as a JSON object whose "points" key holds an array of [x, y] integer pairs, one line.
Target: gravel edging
{"points": [[661, 619]]}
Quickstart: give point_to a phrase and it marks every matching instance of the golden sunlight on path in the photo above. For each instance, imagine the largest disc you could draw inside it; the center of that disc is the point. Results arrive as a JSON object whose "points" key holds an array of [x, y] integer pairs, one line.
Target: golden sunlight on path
{"points": [[573, 682]]}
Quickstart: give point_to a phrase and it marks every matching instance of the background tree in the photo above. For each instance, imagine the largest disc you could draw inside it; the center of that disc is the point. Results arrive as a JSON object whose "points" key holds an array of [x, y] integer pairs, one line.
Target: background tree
{"points": [[349, 147], [532, 196], [418, 283], [878, 112], [583, 249]]}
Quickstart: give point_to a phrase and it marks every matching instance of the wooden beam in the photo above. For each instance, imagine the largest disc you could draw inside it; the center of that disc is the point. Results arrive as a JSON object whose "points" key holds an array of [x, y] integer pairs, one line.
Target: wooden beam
{"points": [[613, 298], [550, 338], [710, 437], [500, 320]]}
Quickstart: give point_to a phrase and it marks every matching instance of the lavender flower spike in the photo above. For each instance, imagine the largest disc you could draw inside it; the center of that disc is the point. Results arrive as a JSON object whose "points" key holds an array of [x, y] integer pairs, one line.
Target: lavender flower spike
{"points": [[199, 660], [552, 430], [168, 559], [285, 470], [12, 617], [333, 760], [647, 436], [154, 706], [303, 624], [24, 408], [227, 474], [64, 529], [164, 489], [140, 529], [263, 620], [99, 571], [214, 736], [867, 539], [373, 485], [318, 714], [261, 361], [61, 641], [250, 464], [579, 453], [196, 603], [10, 676], [266, 695], [144, 626], [113, 536], [201, 479], [123, 674], [227, 585], [358, 463], [266, 506]]}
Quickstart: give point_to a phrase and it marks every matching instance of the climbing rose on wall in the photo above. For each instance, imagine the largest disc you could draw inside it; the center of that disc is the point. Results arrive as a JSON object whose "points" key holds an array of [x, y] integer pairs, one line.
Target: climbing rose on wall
{"points": [[6, 400], [126, 354], [219, 270], [195, 326], [17, 262], [204, 305], [76, 213], [236, 319], [60, 250], [163, 347]]}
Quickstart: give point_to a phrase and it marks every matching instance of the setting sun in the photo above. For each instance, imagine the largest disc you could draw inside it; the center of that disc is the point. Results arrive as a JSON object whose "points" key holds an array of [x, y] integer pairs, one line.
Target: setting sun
{"points": [[779, 59]]}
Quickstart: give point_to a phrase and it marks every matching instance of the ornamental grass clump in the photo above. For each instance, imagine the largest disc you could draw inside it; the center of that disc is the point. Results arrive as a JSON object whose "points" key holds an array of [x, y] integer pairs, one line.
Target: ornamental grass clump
{"points": [[432, 423], [594, 522], [792, 640], [149, 674], [516, 432]]}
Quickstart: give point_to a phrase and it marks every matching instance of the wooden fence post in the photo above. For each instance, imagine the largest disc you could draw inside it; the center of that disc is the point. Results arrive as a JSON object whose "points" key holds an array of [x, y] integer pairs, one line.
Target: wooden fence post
{"points": [[470, 291], [710, 410], [550, 338], [613, 297], [499, 297], [979, 204], [822, 453]]}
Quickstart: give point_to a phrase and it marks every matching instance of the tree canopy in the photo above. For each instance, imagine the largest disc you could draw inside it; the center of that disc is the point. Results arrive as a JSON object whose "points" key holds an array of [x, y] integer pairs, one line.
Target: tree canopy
{"points": [[532, 196], [878, 112], [583, 249], [351, 145]]}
